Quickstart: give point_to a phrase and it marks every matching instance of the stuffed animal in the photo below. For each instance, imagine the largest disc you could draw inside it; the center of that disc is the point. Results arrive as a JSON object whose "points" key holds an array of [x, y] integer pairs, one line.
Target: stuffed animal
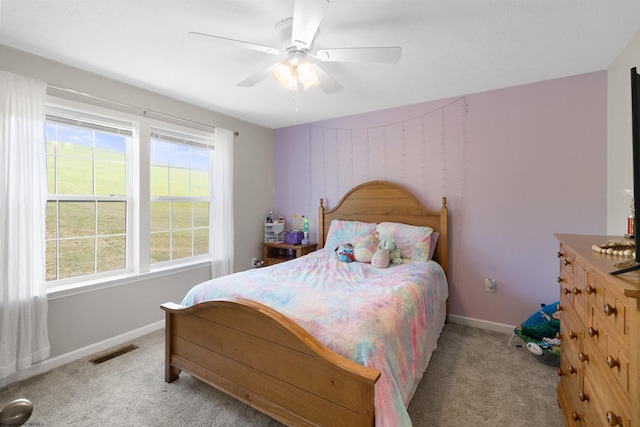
{"points": [[345, 252], [389, 245], [380, 259], [364, 249]]}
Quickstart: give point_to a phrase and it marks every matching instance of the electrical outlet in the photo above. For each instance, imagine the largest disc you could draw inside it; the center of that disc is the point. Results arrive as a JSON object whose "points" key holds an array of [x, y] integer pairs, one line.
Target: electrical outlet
{"points": [[489, 285], [254, 261]]}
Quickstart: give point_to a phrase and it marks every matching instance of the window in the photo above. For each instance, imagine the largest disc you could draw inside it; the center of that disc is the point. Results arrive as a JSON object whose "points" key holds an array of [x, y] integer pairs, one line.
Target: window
{"points": [[101, 211], [87, 206], [180, 196]]}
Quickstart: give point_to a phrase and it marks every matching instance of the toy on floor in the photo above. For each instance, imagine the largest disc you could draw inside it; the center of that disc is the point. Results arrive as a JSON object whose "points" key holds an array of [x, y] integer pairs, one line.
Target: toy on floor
{"points": [[539, 331]]}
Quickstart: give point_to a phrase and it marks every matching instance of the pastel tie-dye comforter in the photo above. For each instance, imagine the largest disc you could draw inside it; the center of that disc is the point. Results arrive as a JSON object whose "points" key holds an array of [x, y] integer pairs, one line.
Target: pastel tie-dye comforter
{"points": [[379, 318]]}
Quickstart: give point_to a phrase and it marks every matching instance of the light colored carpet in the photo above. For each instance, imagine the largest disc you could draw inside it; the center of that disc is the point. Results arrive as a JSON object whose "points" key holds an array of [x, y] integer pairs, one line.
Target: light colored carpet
{"points": [[473, 379]]}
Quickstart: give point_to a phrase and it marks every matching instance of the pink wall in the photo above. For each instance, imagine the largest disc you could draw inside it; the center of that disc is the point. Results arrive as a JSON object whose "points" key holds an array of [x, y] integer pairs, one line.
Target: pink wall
{"points": [[515, 164]]}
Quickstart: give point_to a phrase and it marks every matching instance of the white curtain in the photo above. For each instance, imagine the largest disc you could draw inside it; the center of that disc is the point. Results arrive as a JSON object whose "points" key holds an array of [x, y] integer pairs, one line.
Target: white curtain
{"points": [[222, 209], [23, 196]]}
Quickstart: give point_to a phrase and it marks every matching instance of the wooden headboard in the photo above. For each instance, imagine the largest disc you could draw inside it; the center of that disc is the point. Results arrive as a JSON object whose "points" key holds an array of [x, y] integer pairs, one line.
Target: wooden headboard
{"points": [[379, 201]]}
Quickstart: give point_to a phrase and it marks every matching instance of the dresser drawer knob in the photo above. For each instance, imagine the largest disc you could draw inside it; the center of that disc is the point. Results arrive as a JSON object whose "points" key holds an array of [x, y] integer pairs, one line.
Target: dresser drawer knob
{"points": [[612, 362], [573, 335], [592, 332], [566, 262], [575, 416], [613, 419], [576, 291], [560, 279], [566, 291], [583, 357], [559, 254], [583, 396], [590, 289], [608, 310], [572, 369], [560, 372]]}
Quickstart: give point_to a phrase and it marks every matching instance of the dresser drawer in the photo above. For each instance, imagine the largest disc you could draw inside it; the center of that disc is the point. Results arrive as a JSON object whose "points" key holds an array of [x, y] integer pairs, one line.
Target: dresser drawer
{"points": [[567, 261], [573, 283], [606, 302], [570, 365], [574, 411], [606, 405], [609, 353]]}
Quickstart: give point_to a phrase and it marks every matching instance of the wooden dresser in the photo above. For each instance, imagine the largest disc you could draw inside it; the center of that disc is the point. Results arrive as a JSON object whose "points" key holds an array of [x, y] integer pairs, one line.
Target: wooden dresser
{"points": [[600, 336]]}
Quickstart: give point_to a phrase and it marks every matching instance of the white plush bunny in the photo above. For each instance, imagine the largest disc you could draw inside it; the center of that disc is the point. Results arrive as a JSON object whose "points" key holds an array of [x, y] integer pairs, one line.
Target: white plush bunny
{"points": [[389, 245]]}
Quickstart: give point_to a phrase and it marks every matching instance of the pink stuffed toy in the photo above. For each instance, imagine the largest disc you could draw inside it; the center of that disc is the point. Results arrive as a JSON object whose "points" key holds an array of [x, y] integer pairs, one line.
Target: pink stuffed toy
{"points": [[380, 258]]}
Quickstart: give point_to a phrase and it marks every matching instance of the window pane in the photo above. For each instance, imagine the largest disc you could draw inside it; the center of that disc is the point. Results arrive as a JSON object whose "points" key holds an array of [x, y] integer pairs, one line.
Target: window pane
{"points": [[77, 219], [179, 182], [181, 215], [111, 179], [159, 153], [75, 176], [52, 220], [160, 216], [160, 247], [159, 181], [77, 257], [74, 142], [51, 255], [201, 241], [199, 183], [111, 253], [112, 218], [181, 244], [179, 155], [201, 214], [110, 147]]}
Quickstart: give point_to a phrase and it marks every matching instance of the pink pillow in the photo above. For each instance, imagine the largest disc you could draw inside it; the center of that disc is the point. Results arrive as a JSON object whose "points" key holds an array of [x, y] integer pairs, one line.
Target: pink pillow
{"points": [[434, 242]]}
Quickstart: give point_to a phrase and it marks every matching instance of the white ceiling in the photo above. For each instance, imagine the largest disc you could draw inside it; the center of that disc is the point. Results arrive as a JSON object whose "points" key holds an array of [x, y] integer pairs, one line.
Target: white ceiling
{"points": [[449, 48]]}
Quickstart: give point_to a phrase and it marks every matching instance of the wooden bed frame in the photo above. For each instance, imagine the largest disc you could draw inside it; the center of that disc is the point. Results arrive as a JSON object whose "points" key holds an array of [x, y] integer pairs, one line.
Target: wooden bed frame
{"points": [[267, 361]]}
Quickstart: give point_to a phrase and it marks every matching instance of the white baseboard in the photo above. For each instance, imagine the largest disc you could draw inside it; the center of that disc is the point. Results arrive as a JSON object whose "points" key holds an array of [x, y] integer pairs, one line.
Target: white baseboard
{"points": [[63, 359], [482, 324]]}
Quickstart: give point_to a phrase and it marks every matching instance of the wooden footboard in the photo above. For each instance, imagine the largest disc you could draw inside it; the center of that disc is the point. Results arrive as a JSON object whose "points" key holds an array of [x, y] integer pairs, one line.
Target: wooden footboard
{"points": [[267, 361]]}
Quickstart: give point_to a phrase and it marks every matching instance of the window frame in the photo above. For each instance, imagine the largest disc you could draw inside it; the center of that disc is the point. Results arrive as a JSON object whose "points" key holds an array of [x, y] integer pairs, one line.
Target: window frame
{"points": [[192, 138], [137, 257]]}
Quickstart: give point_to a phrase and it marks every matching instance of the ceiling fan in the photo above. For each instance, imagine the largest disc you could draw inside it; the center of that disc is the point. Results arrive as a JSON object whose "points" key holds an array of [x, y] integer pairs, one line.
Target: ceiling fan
{"points": [[297, 36]]}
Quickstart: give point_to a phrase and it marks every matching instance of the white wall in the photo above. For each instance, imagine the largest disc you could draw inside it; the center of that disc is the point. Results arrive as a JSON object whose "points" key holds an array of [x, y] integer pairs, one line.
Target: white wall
{"points": [[619, 164], [81, 323]]}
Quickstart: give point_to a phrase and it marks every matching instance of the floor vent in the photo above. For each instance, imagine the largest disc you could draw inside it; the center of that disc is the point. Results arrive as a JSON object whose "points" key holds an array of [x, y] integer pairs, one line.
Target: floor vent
{"points": [[113, 354]]}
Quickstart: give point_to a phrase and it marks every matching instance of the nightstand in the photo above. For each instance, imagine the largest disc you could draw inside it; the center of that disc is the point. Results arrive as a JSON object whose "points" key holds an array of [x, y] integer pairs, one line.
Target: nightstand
{"points": [[274, 253]]}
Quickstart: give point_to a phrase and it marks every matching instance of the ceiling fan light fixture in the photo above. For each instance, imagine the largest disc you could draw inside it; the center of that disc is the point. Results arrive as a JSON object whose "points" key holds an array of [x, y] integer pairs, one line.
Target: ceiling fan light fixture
{"points": [[282, 73], [288, 75], [307, 74]]}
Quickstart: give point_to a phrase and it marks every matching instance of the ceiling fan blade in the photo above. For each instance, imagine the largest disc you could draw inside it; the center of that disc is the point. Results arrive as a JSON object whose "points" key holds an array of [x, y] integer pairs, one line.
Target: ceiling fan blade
{"points": [[307, 15], [260, 75], [327, 83], [236, 43], [390, 54]]}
